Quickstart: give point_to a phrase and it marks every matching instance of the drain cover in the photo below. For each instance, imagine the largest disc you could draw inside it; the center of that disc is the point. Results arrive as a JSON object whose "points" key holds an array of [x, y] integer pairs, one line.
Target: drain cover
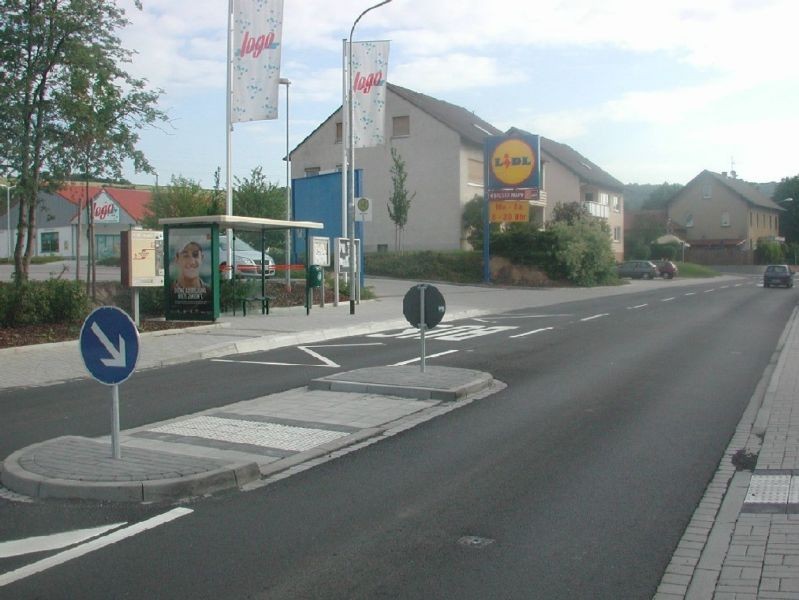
{"points": [[474, 541]]}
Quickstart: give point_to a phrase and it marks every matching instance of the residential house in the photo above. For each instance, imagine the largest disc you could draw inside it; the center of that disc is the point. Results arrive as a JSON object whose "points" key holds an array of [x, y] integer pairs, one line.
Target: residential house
{"points": [[722, 218], [442, 147], [57, 226]]}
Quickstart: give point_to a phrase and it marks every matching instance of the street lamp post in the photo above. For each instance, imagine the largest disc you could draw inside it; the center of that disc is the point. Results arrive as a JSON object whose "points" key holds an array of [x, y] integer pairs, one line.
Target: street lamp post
{"points": [[287, 83], [351, 160], [8, 216]]}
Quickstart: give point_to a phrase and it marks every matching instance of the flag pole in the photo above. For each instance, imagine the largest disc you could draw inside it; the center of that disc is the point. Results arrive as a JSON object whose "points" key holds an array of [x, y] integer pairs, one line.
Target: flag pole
{"points": [[228, 139]]}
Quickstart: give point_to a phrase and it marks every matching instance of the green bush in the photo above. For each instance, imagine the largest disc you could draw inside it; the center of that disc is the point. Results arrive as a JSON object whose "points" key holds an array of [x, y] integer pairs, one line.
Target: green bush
{"points": [[768, 252], [456, 266], [34, 302], [581, 254]]}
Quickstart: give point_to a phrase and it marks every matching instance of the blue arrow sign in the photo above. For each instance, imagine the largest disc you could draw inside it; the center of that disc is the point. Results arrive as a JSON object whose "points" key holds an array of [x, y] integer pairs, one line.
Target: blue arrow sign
{"points": [[109, 345]]}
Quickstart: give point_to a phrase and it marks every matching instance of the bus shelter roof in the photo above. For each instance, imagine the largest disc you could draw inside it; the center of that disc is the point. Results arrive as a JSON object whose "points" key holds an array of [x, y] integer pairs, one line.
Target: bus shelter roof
{"points": [[241, 223]]}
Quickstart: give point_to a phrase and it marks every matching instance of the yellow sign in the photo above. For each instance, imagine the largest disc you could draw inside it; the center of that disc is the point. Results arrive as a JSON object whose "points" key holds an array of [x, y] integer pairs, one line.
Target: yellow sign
{"points": [[513, 161], [501, 211]]}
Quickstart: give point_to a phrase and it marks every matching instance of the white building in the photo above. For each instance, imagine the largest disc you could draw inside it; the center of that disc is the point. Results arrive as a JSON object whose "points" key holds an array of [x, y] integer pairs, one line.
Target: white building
{"points": [[442, 147]]}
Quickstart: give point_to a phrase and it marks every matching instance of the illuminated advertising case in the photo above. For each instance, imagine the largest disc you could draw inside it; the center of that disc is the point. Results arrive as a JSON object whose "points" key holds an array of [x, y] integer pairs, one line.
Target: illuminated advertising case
{"points": [[142, 258], [192, 274], [514, 169]]}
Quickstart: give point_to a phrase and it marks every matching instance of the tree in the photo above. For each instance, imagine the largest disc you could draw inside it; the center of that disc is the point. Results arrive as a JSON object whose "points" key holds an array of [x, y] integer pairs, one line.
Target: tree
{"points": [[789, 220], [570, 213], [64, 100], [183, 197], [661, 195], [399, 204], [254, 196]]}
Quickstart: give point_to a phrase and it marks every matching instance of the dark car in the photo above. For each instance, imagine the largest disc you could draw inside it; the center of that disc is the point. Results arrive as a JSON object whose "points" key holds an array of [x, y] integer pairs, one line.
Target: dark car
{"points": [[667, 269], [778, 275], [637, 269]]}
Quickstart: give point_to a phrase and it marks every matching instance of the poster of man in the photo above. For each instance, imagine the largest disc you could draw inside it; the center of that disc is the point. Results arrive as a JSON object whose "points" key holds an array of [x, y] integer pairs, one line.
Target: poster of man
{"points": [[190, 271]]}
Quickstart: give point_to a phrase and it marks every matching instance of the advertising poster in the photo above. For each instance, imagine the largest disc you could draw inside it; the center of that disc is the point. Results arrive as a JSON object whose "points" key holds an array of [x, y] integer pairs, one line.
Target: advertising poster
{"points": [[191, 273]]}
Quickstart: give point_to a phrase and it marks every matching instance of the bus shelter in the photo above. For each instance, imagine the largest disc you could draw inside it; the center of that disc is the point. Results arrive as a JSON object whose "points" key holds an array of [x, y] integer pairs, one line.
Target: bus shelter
{"points": [[192, 258]]}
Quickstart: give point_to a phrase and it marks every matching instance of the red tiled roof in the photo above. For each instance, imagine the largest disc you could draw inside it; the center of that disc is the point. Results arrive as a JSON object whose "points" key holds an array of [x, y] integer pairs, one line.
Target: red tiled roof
{"points": [[133, 202]]}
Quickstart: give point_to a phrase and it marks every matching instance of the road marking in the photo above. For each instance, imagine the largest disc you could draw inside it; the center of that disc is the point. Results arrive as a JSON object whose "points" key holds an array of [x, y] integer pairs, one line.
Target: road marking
{"points": [[637, 306], [56, 541], [447, 333], [724, 287], [710, 290], [690, 294], [325, 362], [599, 316], [97, 544], [667, 299], [509, 317], [518, 335], [413, 360]]}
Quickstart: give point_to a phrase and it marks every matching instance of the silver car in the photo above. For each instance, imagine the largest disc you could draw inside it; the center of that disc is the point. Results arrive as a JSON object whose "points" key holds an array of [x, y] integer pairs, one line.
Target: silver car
{"points": [[637, 269], [247, 259]]}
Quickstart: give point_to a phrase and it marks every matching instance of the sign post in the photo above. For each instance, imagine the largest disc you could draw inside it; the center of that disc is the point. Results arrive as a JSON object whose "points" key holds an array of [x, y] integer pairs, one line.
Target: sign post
{"points": [[424, 307], [109, 346]]}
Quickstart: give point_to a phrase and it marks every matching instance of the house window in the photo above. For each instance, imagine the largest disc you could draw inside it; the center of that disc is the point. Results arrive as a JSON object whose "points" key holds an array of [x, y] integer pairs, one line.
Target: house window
{"points": [[706, 191], [49, 241], [589, 197], [617, 234], [339, 132], [689, 220], [616, 204], [603, 199], [475, 173], [401, 126], [725, 219], [312, 171]]}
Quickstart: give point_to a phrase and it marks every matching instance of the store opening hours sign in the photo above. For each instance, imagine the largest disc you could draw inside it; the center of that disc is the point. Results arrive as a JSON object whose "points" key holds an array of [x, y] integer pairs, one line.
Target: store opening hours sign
{"points": [[500, 211]]}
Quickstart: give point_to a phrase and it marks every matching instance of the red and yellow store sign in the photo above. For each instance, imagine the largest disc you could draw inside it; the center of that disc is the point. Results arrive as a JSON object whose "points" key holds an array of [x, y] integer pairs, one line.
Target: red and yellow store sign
{"points": [[514, 165]]}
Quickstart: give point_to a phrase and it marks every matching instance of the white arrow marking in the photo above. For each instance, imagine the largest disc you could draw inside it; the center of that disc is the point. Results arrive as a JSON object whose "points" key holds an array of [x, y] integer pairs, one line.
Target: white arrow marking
{"points": [[117, 356], [78, 551], [44, 543]]}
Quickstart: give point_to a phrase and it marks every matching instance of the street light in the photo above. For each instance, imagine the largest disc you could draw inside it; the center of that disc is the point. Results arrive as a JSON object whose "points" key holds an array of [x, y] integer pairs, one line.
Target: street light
{"points": [[351, 159], [287, 83], [8, 215]]}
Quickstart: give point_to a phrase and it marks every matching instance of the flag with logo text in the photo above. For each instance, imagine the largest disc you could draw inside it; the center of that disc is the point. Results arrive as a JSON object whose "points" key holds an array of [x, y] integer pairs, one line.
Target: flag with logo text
{"points": [[255, 72], [369, 75]]}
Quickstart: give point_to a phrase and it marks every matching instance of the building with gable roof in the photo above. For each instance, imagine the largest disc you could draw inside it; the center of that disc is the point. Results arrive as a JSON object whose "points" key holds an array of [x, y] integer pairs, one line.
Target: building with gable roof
{"points": [[115, 210], [717, 212], [442, 147]]}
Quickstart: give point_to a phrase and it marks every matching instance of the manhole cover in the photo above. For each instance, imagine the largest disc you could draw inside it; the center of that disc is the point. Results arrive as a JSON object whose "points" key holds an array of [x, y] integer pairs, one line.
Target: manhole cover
{"points": [[474, 541]]}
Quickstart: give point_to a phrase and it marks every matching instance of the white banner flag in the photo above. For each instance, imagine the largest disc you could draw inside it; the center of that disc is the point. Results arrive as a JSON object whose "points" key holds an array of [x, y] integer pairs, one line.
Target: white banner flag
{"points": [[257, 40], [369, 75]]}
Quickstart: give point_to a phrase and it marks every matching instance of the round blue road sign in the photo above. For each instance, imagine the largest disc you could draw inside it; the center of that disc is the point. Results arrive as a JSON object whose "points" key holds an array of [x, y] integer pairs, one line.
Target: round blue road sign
{"points": [[109, 345]]}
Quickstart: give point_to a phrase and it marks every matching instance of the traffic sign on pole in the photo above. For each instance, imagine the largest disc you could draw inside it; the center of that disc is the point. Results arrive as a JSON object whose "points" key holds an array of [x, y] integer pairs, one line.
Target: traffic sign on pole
{"points": [[109, 345]]}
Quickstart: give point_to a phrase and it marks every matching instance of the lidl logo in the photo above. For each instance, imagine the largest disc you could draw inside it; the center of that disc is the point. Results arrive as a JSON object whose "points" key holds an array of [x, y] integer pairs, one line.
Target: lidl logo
{"points": [[513, 161]]}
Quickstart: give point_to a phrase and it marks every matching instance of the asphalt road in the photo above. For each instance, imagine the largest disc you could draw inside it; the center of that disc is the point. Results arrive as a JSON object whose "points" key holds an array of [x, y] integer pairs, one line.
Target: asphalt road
{"points": [[576, 481]]}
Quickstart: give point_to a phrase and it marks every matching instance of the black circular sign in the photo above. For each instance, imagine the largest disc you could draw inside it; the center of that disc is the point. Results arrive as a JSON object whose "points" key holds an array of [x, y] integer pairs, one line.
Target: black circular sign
{"points": [[434, 306]]}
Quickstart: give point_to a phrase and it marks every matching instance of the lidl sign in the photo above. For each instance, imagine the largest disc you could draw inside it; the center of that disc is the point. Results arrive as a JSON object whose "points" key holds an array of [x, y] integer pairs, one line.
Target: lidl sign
{"points": [[513, 173]]}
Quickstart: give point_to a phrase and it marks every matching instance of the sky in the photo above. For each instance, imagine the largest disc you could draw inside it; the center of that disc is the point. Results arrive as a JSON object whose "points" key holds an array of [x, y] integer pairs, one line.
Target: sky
{"points": [[652, 92]]}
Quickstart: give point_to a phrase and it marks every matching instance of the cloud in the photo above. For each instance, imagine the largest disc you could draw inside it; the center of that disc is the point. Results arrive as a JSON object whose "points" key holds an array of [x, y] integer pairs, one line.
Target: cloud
{"points": [[452, 72]]}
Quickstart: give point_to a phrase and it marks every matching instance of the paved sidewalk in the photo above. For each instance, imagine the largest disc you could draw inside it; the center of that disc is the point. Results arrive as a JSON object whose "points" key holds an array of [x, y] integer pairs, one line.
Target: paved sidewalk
{"points": [[743, 540]]}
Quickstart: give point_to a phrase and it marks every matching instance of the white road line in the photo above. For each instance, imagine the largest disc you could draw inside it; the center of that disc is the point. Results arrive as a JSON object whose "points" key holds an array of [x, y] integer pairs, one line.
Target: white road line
{"points": [[44, 543], [97, 544], [667, 299], [599, 316], [637, 306], [319, 357], [710, 290], [413, 360], [263, 362], [518, 335], [690, 294]]}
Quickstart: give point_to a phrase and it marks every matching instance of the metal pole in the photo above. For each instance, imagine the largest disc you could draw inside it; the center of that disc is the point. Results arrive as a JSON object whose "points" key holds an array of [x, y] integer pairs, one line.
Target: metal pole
{"points": [[287, 83], [351, 166], [117, 452], [423, 324], [229, 141]]}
